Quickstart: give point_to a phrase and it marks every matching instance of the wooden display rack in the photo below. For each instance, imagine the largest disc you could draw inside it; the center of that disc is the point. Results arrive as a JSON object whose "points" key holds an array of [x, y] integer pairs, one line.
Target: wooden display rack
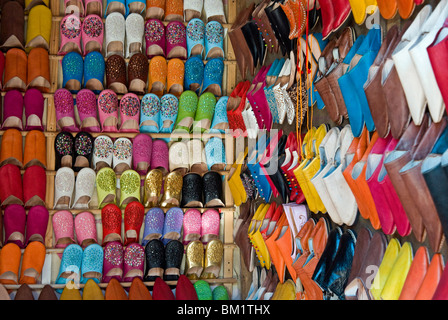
{"points": [[226, 277]]}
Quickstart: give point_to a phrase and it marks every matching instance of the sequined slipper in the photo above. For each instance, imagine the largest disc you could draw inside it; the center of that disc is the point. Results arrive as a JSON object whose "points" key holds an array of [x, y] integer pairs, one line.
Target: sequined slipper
{"points": [[195, 38], [188, 104], [220, 120], [70, 34], [173, 225], [103, 150], [129, 187], [141, 153], [116, 74], [65, 110], [135, 29], [70, 267], [64, 185], [92, 263], [155, 9], [210, 225], [63, 228], [213, 77], [193, 9], [174, 10], [155, 260], [84, 188], [108, 111], [174, 253], [122, 159], [169, 106], [176, 40], [172, 190], [157, 80], [154, 221], [138, 68], [213, 259], [133, 220], [215, 154], [205, 111], [214, 40], [134, 262], [113, 264], [85, 229], [115, 33], [194, 73], [175, 77], [94, 70], [155, 38], [86, 105], [129, 113], [72, 71], [191, 226], [111, 221], [153, 188], [105, 187]]}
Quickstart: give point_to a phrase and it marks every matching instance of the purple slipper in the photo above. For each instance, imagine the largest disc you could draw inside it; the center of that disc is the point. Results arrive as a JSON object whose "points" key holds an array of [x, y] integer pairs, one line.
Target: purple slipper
{"points": [[34, 109], [36, 224], [173, 225], [13, 110], [154, 221]]}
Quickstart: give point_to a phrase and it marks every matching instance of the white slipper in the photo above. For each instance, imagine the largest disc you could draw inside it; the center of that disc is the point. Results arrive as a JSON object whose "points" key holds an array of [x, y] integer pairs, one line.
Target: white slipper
{"points": [[115, 34], [135, 28], [64, 183], [214, 11], [84, 188], [122, 159], [103, 151], [192, 9]]}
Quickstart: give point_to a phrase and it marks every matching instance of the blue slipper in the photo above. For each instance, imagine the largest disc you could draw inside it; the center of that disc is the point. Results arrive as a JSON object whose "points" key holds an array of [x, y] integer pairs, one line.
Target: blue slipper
{"points": [[70, 263], [220, 121], [135, 6], [115, 6], [92, 263], [214, 40], [94, 69], [172, 226], [215, 154], [194, 74], [195, 37], [72, 71], [169, 106], [273, 74], [213, 74], [150, 114]]}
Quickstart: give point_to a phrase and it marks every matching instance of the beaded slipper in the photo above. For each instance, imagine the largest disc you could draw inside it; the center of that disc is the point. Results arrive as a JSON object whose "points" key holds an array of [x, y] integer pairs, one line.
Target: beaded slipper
{"points": [[83, 147], [103, 150], [116, 74], [135, 29], [111, 221], [129, 188], [113, 265], [169, 105], [129, 113], [84, 188], [106, 187], [150, 114], [86, 105], [122, 159], [195, 38], [108, 111], [214, 40], [70, 34], [176, 40], [155, 38], [92, 34], [134, 262], [64, 185]]}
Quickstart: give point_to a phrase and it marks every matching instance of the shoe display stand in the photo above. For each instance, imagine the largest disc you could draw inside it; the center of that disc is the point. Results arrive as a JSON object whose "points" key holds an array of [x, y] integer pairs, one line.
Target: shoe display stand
{"points": [[53, 257]]}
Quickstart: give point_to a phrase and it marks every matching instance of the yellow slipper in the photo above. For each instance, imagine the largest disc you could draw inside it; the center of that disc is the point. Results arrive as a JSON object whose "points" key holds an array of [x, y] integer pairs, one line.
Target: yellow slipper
{"points": [[362, 8]]}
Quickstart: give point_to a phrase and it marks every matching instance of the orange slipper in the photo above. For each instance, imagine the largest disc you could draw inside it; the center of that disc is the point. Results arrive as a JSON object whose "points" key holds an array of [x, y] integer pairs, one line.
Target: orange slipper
{"points": [[11, 148], [284, 245], [432, 278], [416, 274], [15, 76], [174, 10], [274, 252], [155, 9], [406, 8], [175, 77], [10, 264], [115, 291], [139, 291], [32, 262], [158, 69], [388, 8], [35, 150], [38, 70]]}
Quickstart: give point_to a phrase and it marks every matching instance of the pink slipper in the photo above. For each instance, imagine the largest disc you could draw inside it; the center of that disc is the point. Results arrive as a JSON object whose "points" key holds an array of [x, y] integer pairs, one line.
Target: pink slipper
{"points": [[65, 110], [130, 113], [134, 261], [108, 110], [92, 34], [192, 226], [155, 38], [176, 40], [87, 110], [113, 262], [85, 228], [34, 109], [70, 33], [159, 157], [13, 110], [36, 224], [141, 153], [63, 229], [14, 220], [210, 225]]}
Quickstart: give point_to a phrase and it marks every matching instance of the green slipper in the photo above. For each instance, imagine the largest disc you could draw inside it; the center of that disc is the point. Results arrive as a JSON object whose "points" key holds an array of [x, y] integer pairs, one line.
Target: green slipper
{"points": [[106, 186], [188, 104], [205, 112], [220, 293], [203, 290], [129, 187]]}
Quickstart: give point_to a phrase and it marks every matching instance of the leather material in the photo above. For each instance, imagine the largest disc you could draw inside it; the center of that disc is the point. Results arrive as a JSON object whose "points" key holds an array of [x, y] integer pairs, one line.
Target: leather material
{"points": [[388, 9], [192, 191], [317, 243], [155, 258], [432, 278], [416, 274], [213, 193], [441, 292], [405, 8]]}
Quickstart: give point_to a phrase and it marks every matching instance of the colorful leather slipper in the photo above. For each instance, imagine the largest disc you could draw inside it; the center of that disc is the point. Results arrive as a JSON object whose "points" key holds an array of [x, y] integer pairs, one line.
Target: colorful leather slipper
{"points": [[133, 220], [138, 290], [39, 27], [129, 187], [220, 293], [203, 290], [135, 29], [191, 226], [116, 74], [176, 41], [155, 260], [205, 111], [103, 150], [160, 156], [65, 110], [157, 80], [111, 217], [14, 223], [115, 34], [155, 9], [210, 225], [154, 221], [134, 262], [150, 114], [83, 149], [172, 190], [174, 253], [194, 258], [92, 263], [63, 227], [37, 223], [70, 34], [84, 188], [92, 291], [13, 110], [174, 10], [213, 259], [34, 109], [192, 191], [4, 295], [92, 34], [64, 185], [85, 229], [153, 188], [86, 105], [9, 264], [24, 293], [72, 71], [198, 159], [15, 76], [388, 9], [172, 225], [215, 153], [105, 187], [175, 77], [188, 104], [138, 68], [220, 120], [94, 69], [213, 192], [70, 267], [113, 265], [193, 9], [108, 111], [117, 6], [34, 186], [129, 113], [135, 6], [185, 289], [47, 293], [214, 40], [115, 291], [155, 38], [13, 25], [214, 11], [169, 106], [195, 38], [38, 73], [141, 153], [194, 73], [213, 77], [122, 159]]}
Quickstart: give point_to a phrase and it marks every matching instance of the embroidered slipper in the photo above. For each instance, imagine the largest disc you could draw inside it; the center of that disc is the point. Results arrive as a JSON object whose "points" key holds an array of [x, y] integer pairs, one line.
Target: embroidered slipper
{"points": [[153, 188], [176, 40], [188, 104], [37, 224], [70, 35], [70, 267], [204, 114], [155, 9], [111, 222], [214, 11], [210, 225], [94, 7], [134, 263], [38, 72], [85, 229], [15, 75], [92, 263], [103, 151], [116, 74], [192, 226], [106, 187], [92, 34], [115, 33], [122, 159], [84, 188], [115, 6], [135, 29], [13, 110], [94, 69], [175, 77], [150, 114], [169, 105], [194, 73], [174, 10], [141, 153], [11, 148], [155, 38], [173, 225], [65, 110], [34, 186], [14, 222], [72, 71], [64, 182], [195, 38], [86, 105], [113, 264], [35, 150], [157, 80], [38, 31], [138, 68], [160, 156], [129, 187], [83, 151], [154, 221], [213, 76], [220, 122], [130, 113], [108, 111], [63, 228], [214, 40], [133, 220], [32, 263], [34, 109], [215, 154], [193, 9]]}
